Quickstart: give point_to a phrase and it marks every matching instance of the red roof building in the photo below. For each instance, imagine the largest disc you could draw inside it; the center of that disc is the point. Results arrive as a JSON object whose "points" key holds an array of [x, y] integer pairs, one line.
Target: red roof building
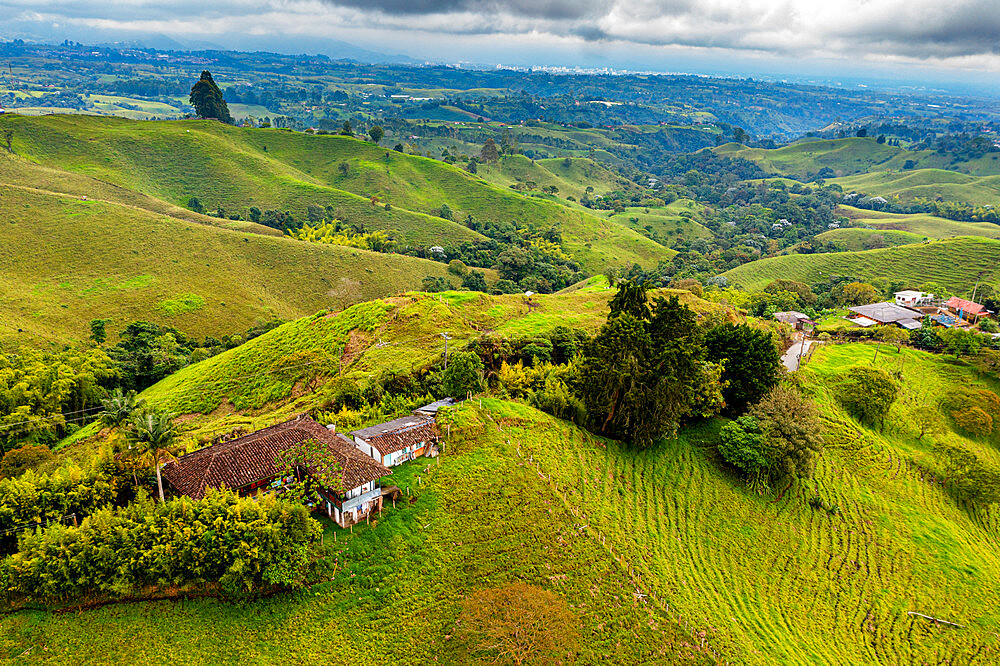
{"points": [[966, 309], [248, 464]]}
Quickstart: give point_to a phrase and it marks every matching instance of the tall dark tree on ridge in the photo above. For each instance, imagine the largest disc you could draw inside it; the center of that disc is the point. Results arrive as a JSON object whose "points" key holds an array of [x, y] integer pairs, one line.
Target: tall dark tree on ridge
{"points": [[207, 100]]}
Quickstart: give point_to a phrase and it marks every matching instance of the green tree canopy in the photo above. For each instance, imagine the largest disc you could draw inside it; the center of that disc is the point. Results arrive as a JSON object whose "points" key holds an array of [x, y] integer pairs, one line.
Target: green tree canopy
{"points": [[207, 99], [376, 133], [489, 152], [640, 378], [464, 374], [750, 363], [790, 422], [631, 299], [868, 394]]}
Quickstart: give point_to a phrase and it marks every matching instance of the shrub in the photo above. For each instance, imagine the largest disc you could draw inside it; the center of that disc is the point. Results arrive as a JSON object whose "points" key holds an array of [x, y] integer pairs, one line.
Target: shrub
{"points": [[519, 624], [868, 394], [242, 544], [17, 461], [33, 497], [973, 420], [457, 267], [741, 444]]}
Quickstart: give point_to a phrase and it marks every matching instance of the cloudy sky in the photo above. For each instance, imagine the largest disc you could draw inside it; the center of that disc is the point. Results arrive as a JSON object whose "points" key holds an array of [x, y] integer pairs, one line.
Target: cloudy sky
{"points": [[885, 36]]}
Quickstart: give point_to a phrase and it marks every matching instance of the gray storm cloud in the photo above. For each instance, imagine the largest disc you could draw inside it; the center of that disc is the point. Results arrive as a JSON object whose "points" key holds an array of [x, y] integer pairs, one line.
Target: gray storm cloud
{"points": [[850, 29]]}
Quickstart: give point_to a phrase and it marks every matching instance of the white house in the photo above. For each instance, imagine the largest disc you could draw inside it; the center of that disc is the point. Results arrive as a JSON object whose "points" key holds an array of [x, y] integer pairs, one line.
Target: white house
{"points": [[398, 440], [910, 299]]}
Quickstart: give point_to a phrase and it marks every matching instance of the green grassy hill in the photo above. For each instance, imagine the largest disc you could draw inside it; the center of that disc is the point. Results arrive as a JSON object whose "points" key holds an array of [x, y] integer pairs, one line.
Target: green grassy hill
{"points": [[395, 334], [866, 165], [480, 519], [572, 179], [236, 168], [854, 239], [652, 549], [844, 156], [927, 184], [954, 264], [920, 224], [64, 261], [666, 224]]}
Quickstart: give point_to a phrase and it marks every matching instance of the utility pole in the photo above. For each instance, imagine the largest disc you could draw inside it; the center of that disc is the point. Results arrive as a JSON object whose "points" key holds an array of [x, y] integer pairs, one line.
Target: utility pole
{"points": [[446, 339], [976, 288]]}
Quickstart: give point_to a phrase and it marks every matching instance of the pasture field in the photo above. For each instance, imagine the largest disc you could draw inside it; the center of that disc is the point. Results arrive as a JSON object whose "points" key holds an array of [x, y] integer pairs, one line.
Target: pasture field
{"points": [[854, 239], [921, 224], [771, 579], [395, 334], [665, 545], [665, 223], [64, 261], [397, 588], [572, 179], [953, 264], [927, 184], [859, 163], [844, 156], [236, 168]]}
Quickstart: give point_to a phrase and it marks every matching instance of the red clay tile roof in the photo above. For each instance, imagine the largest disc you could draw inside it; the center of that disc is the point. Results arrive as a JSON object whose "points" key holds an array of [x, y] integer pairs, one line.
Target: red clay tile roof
{"points": [[250, 458], [396, 440], [956, 303]]}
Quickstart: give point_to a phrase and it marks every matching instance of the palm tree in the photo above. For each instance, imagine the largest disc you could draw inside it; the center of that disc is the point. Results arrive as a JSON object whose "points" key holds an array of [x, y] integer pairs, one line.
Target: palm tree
{"points": [[119, 408], [151, 433]]}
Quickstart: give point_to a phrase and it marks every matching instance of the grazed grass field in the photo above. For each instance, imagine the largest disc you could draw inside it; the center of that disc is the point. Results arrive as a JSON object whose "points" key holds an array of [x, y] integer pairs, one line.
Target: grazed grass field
{"points": [[768, 579], [864, 161], [64, 261], [955, 264], [481, 519], [236, 168], [773, 580], [854, 240], [666, 223], [928, 184]]}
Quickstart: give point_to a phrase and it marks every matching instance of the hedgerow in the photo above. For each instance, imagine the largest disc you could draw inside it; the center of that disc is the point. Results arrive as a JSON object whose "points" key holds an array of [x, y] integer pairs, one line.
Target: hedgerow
{"points": [[243, 545]]}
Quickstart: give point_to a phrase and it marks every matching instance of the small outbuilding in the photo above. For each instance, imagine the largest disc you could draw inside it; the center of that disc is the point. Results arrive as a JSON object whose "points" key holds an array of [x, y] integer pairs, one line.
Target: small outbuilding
{"points": [[399, 440], [795, 319], [913, 299]]}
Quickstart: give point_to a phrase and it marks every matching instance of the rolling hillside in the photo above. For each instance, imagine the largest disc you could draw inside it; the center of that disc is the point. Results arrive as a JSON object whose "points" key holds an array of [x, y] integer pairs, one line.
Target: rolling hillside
{"points": [[954, 264], [844, 156], [666, 224], [920, 224], [854, 239], [237, 168], [926, 183], [864, 165], [665, 546], [64, 261], [572, 179]]}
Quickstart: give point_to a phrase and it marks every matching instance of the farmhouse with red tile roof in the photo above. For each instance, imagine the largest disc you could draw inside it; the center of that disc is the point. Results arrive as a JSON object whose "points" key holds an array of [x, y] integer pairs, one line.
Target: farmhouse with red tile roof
{"points": [[247, 464]]}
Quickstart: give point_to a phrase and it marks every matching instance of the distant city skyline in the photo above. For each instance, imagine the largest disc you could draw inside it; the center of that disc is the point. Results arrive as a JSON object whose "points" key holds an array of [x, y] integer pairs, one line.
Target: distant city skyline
{"points": [[910, 42]]}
